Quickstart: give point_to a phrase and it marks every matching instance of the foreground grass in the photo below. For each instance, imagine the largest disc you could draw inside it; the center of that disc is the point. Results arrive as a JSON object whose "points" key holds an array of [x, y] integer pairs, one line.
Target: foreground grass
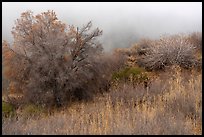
{"points": [[171, 105]]}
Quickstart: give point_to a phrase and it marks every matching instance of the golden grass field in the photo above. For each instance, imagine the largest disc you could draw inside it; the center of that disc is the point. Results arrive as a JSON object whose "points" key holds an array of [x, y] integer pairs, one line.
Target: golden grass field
{"points": [[171, 105]]}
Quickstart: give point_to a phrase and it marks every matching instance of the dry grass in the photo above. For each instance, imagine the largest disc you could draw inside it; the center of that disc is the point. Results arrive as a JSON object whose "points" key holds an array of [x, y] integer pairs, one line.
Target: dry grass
{"points": [[173, 106]]}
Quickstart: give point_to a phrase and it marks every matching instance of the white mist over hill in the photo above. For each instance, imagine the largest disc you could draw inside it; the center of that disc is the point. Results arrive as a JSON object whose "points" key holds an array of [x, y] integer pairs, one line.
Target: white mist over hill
{"points": [[122, 23]]}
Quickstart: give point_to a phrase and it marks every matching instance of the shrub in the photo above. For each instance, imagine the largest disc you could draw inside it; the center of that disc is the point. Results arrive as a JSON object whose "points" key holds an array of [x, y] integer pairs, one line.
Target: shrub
{"points": [[134, 74], [7, 109], [143, 47], [31, 110], [196, 39], [172, 50]]}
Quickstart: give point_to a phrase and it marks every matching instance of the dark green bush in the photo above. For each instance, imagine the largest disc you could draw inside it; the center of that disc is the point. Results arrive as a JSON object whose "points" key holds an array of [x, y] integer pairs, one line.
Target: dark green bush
{"points": [[134, 74]]}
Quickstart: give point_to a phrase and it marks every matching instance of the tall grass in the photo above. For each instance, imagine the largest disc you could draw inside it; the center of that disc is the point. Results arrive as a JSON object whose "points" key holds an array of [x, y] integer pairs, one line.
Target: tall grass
{"points": [[172, 104]]}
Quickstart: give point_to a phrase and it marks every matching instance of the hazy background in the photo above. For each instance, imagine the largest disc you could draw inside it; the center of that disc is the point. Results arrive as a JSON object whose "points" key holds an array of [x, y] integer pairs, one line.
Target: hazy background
{"points": [[122, 23]]}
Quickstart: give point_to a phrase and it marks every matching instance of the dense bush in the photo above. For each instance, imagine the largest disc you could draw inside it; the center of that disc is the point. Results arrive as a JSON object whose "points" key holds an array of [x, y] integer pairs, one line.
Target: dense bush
{"points": [[142, 47], [196, 39], [171, 50]]}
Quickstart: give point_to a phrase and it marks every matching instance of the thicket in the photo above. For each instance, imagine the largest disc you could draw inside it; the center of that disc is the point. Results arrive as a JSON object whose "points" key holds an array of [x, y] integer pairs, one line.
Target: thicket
{"points": [[182, 50]]}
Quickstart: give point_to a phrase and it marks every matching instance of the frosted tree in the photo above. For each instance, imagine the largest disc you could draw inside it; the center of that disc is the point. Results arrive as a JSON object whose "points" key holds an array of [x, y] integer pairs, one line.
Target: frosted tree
{"points": [[50, 62]]}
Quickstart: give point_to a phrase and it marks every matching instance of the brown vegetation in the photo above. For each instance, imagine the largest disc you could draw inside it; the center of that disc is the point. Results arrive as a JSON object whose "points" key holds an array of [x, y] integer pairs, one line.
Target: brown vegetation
{"points": [[61, 82], [170, 107], [169, 50]]}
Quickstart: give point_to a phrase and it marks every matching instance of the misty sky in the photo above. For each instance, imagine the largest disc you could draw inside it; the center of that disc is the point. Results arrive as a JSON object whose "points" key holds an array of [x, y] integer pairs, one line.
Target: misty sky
{"points": [[122, 23]]}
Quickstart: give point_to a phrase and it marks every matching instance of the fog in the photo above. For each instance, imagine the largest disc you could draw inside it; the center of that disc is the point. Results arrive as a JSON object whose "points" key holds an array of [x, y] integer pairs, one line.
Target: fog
{"points": [[122, 23]]}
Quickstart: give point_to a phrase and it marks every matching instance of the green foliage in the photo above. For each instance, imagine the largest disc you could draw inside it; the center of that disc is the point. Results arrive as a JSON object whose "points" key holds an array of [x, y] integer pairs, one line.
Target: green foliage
{"points": [[32, 110], [7, 109], [138, 74]]}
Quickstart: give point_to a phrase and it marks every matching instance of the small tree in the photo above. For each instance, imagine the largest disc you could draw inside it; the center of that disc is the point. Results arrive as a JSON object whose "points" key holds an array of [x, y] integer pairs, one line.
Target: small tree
{"points": [[50, 62]]}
